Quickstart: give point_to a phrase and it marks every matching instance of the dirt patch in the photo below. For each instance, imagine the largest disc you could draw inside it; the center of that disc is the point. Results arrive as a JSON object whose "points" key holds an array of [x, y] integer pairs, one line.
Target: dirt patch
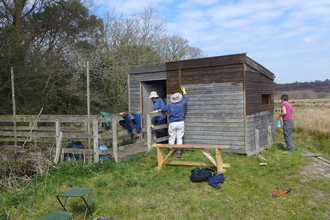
{"points": [[317, 169]]}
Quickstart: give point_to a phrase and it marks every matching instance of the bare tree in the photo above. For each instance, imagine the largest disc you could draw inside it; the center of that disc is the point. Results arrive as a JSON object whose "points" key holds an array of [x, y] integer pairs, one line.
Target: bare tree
{"points": [[174, 48]]}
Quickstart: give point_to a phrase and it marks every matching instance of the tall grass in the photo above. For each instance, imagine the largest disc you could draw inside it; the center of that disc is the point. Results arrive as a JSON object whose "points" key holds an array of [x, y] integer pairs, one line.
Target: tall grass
{"points": [[313, 119], [310, 103]]}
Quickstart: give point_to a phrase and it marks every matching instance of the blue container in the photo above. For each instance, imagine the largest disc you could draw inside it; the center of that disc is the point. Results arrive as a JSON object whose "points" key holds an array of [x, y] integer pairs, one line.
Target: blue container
{"points": [[278, 124], [104, 156]]}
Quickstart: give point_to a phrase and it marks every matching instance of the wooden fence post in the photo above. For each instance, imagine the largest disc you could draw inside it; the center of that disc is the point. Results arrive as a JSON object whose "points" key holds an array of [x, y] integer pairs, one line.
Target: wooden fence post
{"points": [[14, 102], [57, 130], [270, 136], [149, 131], [114, 138], [96, 140], [58, 135], [58, 149], [257, 141]]}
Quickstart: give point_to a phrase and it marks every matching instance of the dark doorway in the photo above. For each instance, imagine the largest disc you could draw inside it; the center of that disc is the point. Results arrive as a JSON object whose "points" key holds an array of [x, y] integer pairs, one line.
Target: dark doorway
{"points": [[148, 86]]}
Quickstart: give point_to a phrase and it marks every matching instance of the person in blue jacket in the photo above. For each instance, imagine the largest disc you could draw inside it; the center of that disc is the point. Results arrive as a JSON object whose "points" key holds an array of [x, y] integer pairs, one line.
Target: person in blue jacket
{"points": [[176, 118], [158, 120]]}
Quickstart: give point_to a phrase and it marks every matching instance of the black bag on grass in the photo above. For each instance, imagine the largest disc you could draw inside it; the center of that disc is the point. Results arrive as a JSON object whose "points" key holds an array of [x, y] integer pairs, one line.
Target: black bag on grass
{"points": [[75, 145], [201, 175]]}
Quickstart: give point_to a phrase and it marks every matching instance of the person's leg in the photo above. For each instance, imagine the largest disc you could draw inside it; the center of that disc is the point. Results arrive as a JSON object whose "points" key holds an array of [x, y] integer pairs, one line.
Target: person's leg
{"points": [[287, 132], [159, 132], [179, 136], [180, 132], [172, 133]]}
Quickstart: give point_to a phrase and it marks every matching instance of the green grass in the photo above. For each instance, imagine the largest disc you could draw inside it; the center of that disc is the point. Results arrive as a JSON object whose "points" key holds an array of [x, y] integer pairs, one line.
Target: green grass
{"points": [[133, 189]]}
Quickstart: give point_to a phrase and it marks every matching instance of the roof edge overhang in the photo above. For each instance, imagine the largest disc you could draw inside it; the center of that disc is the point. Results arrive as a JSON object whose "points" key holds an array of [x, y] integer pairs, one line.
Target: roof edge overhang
{"points": [[232, 59], [147, 68], [207, 62], [260, 68]]}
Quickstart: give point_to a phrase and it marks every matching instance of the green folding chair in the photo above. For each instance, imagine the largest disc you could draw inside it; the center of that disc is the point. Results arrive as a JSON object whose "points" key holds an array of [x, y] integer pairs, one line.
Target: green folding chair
{"points": [[58, 215], [76, 192]]}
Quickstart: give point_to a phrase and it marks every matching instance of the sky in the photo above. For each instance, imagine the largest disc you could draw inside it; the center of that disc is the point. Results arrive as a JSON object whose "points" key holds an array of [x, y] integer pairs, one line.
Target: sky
{"points": [[291, 38]]}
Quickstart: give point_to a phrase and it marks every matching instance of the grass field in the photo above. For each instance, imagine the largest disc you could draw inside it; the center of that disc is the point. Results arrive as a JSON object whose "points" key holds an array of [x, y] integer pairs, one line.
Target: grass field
{"points": [[133, 189]]}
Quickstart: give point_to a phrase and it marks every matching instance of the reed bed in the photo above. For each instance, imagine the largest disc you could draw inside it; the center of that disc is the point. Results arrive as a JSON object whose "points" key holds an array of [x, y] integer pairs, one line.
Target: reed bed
{"points": [[311, 114], [315, 120], [312, 103]]}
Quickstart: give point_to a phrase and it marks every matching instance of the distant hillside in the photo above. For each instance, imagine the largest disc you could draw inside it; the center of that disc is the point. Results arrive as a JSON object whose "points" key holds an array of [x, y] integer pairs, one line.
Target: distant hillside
{"points": [[303, 90]]}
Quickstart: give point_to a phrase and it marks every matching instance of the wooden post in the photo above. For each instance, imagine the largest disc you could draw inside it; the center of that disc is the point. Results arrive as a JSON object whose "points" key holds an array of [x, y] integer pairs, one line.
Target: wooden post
{"points": [[96, 140], [34, 124], [257, 141], [58, 135], [218, 156], [88, 106], [270, 136], [149, 131], [179, 77], [58, 148], [114, 138], [14, 102], [57, 130]]}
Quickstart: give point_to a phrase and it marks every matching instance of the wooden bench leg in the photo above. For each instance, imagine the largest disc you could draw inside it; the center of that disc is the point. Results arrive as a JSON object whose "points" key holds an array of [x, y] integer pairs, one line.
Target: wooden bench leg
{"points": [[209, 157], [218, 155], [160, 157]]}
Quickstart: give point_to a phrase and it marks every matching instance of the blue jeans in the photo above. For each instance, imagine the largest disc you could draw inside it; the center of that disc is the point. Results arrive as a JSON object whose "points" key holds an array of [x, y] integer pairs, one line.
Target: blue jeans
{"points": [[287, 131]]}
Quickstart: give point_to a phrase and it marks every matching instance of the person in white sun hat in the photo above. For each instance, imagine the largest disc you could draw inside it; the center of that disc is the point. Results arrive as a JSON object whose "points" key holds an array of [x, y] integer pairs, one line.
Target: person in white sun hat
{"points": [[176, 118], [158, 120]]}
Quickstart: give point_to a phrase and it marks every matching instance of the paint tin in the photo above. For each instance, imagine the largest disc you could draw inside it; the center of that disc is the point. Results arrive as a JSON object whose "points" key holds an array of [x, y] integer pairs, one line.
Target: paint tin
{"points": [[278, 124]]}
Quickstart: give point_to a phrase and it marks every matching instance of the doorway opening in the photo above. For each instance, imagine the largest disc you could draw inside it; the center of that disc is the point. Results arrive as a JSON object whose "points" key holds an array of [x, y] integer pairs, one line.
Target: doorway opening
{"points": [[147, 87]]}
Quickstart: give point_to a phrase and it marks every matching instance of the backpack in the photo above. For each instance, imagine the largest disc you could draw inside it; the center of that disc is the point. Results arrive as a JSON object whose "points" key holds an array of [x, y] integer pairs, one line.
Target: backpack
{"points": [[201, 175]]}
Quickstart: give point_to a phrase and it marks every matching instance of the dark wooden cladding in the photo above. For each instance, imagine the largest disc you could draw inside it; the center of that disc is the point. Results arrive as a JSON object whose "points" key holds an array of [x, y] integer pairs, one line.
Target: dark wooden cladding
{"points": [[147, 69], [256, 85], [207, 62], [205, 75], [260, 68]]}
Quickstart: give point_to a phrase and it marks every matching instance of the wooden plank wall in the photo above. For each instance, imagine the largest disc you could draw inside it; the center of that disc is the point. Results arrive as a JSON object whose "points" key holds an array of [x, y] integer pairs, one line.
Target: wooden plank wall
{"points": [[215, 110], [225, 99], [204, 71], [259, 116], [214, 115], [257, 84], [142, 74]]}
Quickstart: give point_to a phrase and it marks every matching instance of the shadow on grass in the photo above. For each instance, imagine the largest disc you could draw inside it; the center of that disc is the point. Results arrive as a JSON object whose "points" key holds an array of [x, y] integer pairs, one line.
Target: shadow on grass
{"points": [[280, 146]]}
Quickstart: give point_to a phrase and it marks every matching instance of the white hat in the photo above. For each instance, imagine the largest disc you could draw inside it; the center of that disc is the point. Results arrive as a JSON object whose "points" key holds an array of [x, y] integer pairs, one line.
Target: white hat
{"points": [[153, 95], [176, 97]]}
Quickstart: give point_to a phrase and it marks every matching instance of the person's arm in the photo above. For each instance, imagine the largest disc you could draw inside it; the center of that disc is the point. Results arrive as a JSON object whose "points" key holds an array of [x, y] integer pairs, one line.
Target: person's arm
{"points": [[185, 96], [282, 112], [165, 108], [158, 104]]}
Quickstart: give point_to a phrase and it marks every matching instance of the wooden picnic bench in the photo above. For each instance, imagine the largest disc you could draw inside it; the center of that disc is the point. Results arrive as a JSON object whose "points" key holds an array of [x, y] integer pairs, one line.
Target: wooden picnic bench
{"points": [[163, 159]]}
